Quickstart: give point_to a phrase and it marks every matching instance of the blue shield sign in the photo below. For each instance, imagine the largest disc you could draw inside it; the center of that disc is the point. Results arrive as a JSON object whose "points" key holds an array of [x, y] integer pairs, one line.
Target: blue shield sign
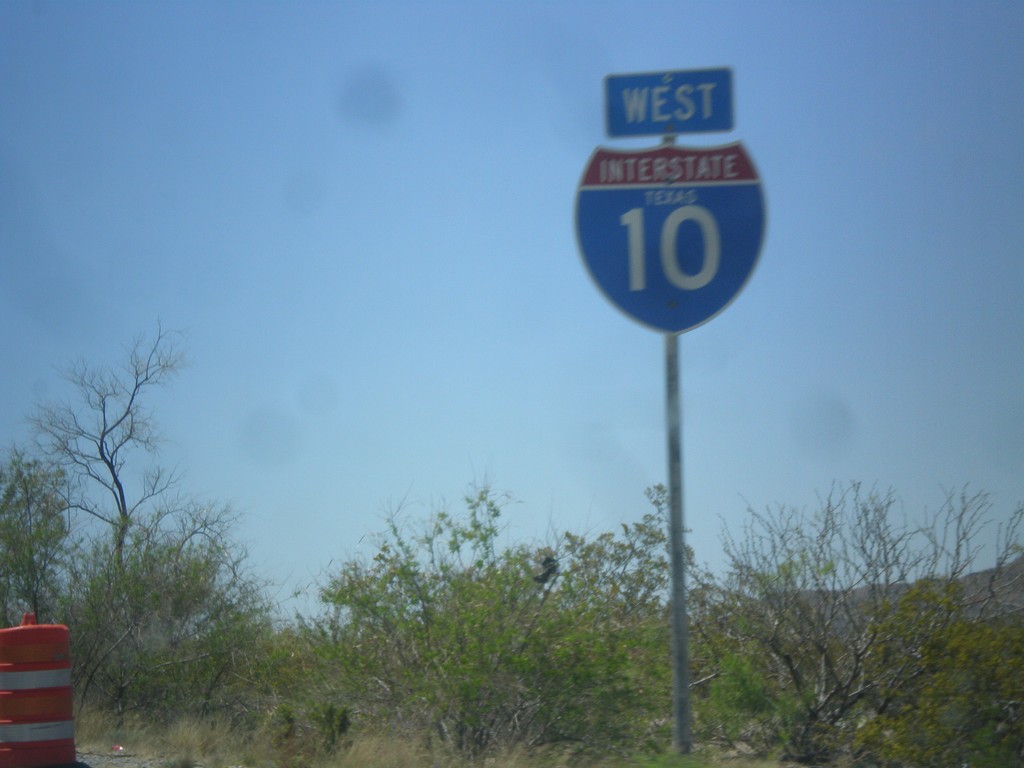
{"points": [[671, 235]]}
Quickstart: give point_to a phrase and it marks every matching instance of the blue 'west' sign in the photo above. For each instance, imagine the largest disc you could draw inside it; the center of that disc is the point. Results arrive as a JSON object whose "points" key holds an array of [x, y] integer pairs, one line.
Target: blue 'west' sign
{"points": [[660, 103]]}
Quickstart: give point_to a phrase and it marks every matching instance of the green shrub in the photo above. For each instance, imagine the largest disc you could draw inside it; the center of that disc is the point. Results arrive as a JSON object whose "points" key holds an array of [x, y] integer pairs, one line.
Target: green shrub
{"points": [[444, 633], [965, 707]]}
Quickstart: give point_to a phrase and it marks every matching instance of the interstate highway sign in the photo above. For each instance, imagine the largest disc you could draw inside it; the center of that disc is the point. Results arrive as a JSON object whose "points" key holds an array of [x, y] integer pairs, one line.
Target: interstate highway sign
{"points": [[660, 103], [670, 234]]}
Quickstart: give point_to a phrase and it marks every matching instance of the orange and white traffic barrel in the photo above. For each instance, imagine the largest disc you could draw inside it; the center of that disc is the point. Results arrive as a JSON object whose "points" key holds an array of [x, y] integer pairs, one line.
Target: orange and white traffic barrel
{"points": [[36, 723]]}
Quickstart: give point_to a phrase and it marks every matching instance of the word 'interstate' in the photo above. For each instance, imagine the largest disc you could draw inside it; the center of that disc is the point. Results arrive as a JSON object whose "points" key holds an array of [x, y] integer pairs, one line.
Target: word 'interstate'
{"points": [[661, 103]]}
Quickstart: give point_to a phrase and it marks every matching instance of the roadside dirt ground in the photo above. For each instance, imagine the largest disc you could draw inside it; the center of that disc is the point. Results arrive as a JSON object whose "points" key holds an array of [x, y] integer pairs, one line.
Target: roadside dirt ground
{"points": [[119, 760], [92, 760], [126, 759]]}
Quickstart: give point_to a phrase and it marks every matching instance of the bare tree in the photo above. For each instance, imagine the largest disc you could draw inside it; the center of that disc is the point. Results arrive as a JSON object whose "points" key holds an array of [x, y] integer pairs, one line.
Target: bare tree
{"points": [[819, 599], [94, 438], [159, 597]]}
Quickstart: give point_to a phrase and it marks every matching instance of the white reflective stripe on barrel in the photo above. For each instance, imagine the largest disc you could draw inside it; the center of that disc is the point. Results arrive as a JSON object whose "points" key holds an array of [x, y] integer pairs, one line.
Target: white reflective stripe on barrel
{"points": [[25, 681], [14, 732]]}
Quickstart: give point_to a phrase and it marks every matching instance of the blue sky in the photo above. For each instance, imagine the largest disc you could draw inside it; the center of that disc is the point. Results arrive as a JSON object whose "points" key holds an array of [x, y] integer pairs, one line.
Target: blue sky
{"points": [[361, 216]]}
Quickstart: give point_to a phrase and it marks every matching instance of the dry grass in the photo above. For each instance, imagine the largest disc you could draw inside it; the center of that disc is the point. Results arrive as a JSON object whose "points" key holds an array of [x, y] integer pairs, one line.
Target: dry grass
{"points": [[214, 744], [188, 742], [379, 752]]}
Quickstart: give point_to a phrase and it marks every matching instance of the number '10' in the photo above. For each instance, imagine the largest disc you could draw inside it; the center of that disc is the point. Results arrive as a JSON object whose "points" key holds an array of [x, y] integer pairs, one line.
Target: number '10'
{"points": [[633, 220]]}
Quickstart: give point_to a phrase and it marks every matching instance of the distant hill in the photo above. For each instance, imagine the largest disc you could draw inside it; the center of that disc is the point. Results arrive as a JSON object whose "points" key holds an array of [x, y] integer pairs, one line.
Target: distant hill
{"points": [[1005, 587], [990, 593]]}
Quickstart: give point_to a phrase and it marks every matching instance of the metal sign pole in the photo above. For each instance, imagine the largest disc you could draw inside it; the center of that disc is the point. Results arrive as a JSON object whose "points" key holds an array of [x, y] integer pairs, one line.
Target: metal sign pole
{"points": [[631, 206], [680, 631]]}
